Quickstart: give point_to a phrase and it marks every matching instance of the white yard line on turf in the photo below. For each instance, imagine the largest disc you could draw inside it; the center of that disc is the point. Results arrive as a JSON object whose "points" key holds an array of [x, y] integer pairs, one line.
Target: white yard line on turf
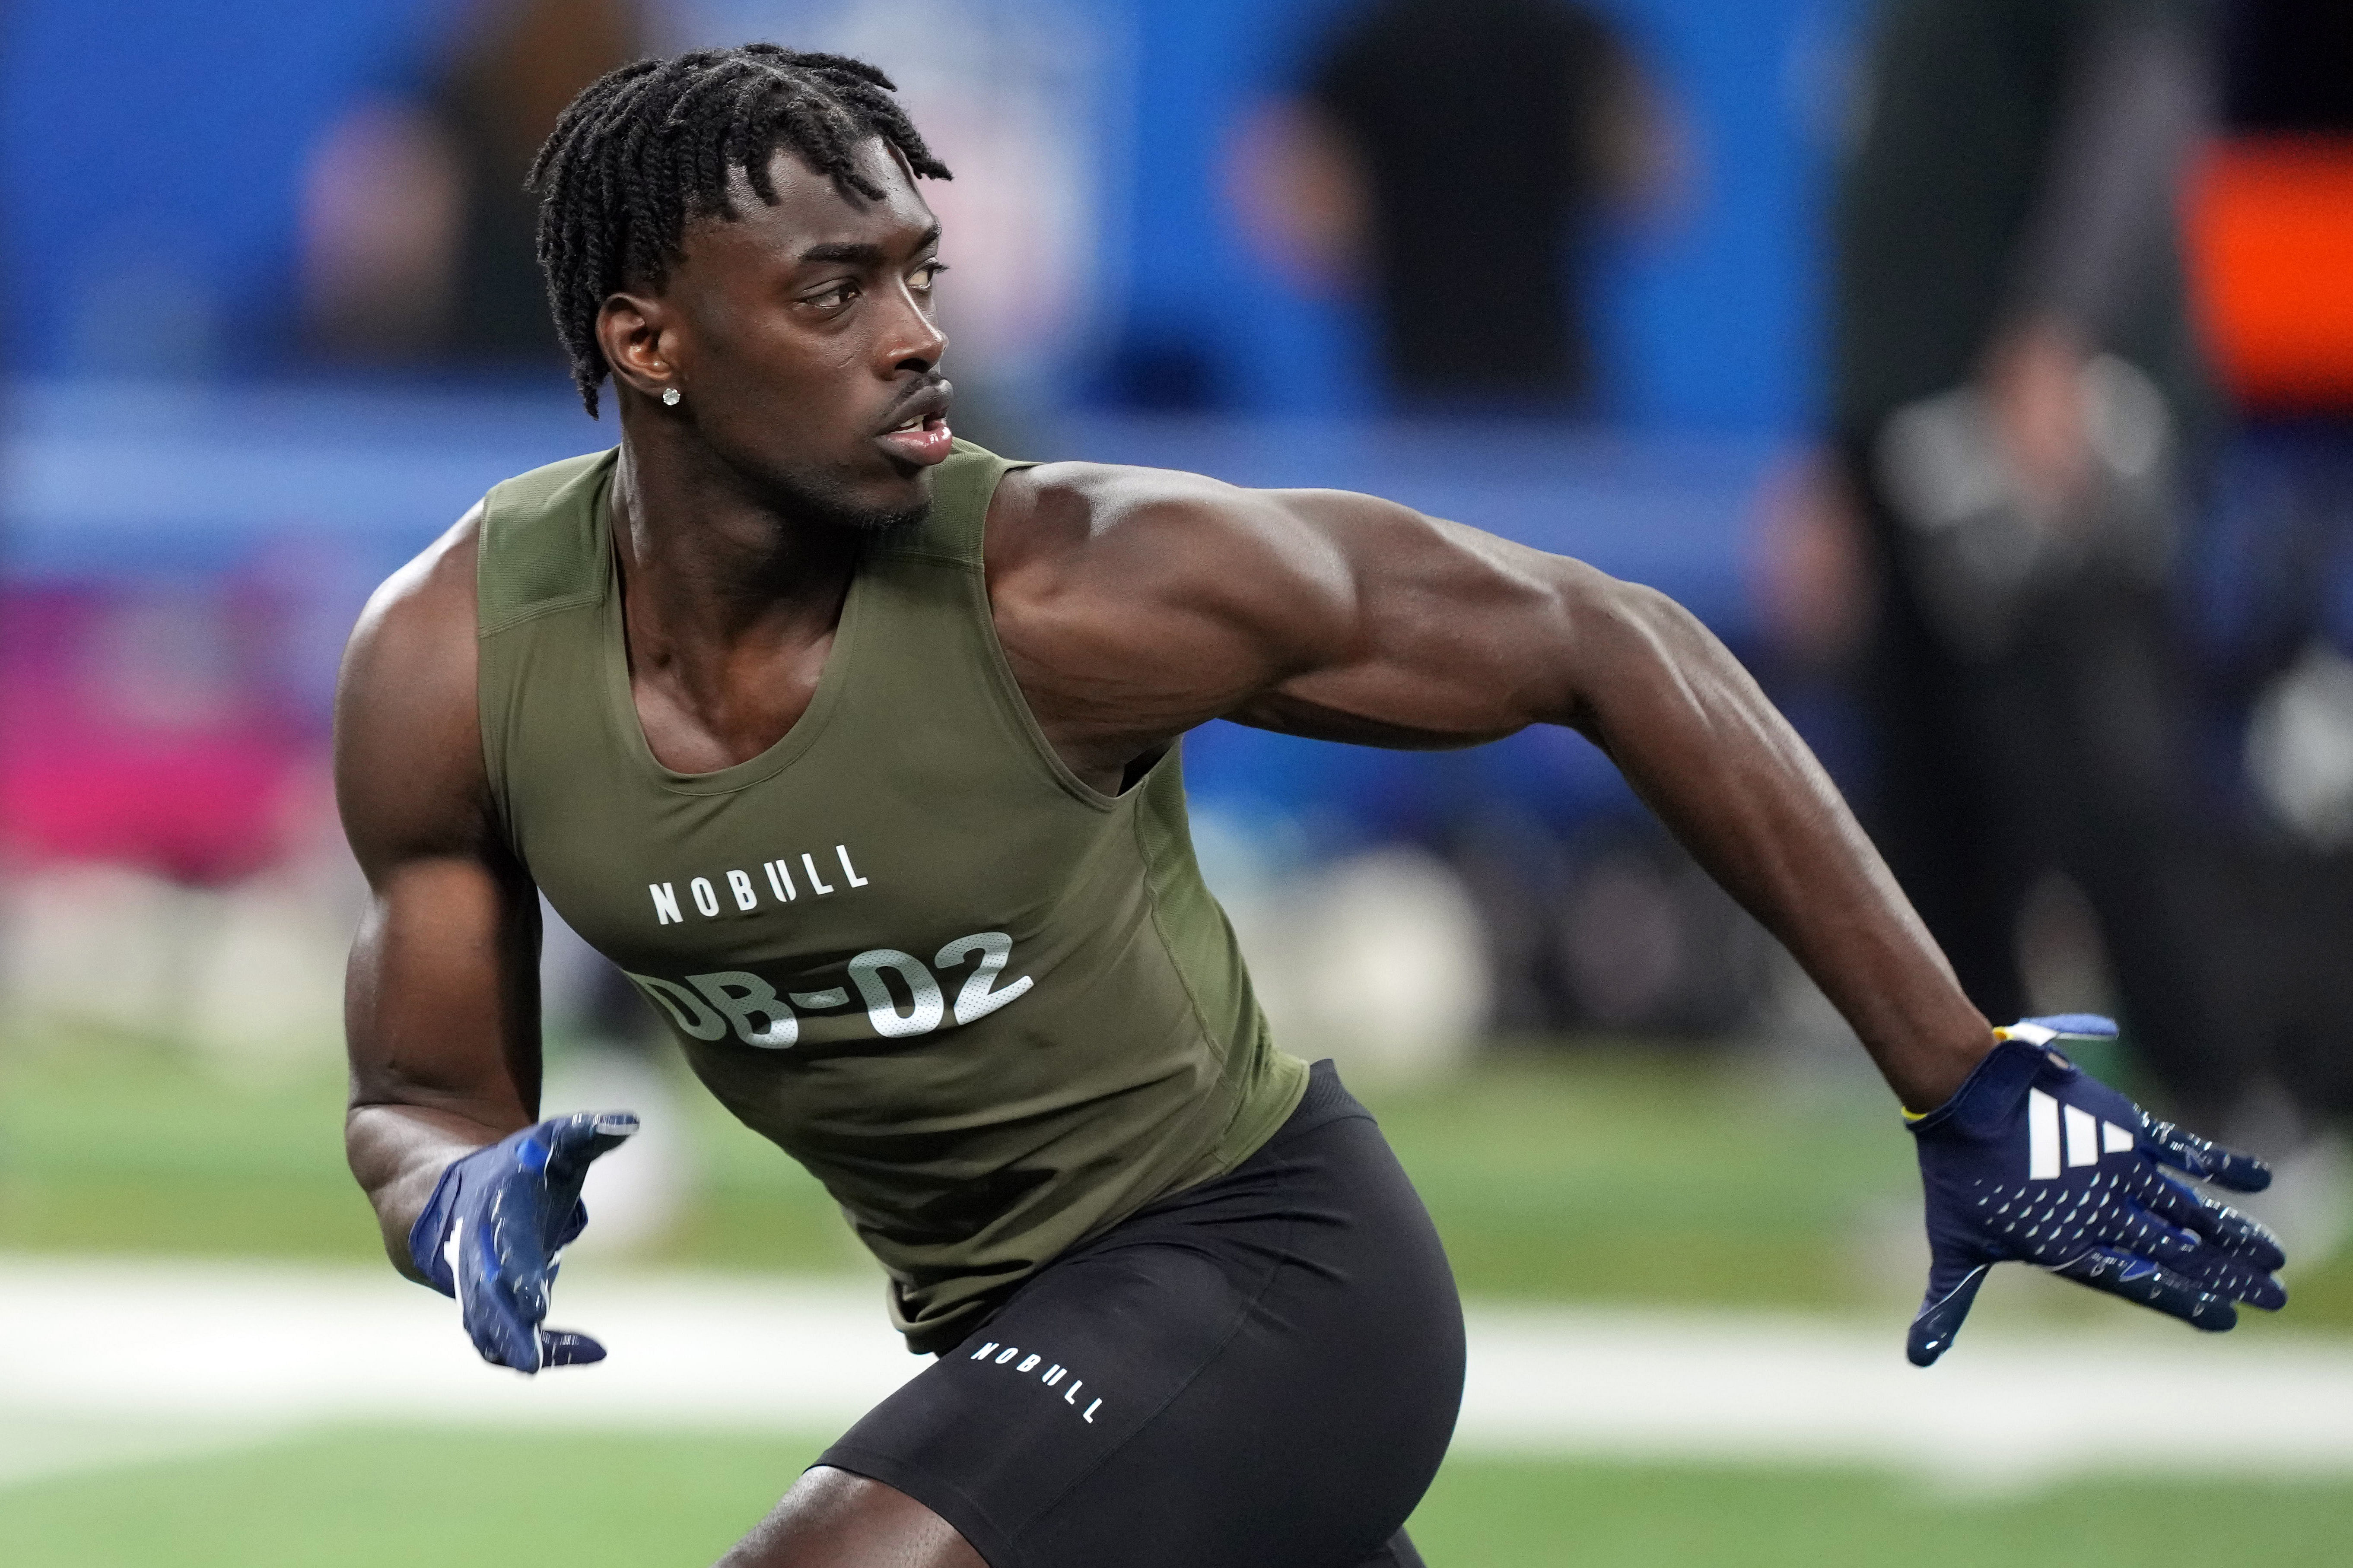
{"points": [[103, 1360]]}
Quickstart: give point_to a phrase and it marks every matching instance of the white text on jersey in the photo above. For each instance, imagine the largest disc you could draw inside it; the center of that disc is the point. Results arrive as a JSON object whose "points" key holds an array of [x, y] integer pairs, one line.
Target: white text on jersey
{"points": [[744, 893]]}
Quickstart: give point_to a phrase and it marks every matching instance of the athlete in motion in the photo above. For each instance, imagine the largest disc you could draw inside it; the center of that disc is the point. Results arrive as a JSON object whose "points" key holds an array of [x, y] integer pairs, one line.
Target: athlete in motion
{"points": [[856, 747]]}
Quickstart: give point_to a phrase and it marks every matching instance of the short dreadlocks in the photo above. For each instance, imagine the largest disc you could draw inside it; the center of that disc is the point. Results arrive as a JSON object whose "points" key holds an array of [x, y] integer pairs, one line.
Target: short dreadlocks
{"points": [[647, 149]]}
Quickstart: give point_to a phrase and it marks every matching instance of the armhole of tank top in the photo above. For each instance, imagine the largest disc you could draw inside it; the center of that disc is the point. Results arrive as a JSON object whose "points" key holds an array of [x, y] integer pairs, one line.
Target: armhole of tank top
{"points": [[1164, 842], [493, 690], [496, 688], [1012, 703]]}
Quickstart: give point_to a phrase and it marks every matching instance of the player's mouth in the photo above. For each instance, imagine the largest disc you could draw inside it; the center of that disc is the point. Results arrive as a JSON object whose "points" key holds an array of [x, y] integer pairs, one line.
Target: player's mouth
{"points": [[920, 433]]}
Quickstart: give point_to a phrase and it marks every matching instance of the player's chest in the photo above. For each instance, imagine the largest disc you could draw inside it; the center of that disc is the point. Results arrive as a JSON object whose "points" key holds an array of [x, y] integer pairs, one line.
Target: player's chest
{"points": [[797, 872]]}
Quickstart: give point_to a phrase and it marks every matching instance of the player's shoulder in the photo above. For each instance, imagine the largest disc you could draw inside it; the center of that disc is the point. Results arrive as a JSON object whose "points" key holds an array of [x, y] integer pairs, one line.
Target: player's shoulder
{"points": [[1161, 574], [428, 601], [409, 774], [435, 595], [1143, 527], [1112, 494], [409, 668]]}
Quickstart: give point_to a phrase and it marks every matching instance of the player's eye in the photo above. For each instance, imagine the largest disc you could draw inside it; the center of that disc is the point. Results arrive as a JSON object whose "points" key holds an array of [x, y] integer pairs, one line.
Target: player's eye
{"points": [[926, 274], [833, 297]]}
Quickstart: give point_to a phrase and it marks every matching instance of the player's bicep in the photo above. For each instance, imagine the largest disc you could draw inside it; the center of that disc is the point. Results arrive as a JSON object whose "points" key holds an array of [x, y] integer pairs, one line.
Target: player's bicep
{"points": [[1449, 636]]}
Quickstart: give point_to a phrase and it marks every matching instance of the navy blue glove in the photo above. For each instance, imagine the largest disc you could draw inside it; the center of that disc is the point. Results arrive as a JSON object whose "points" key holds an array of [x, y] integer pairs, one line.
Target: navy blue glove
{"points": [[498, 1223], [2035, 1160]]}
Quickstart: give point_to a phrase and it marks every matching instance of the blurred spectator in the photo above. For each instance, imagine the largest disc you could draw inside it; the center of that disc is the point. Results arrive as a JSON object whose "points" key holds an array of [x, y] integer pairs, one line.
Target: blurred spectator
{"points": [[2018, 401], [2273, 243], [1458, 156], [418, 239], [1457, 161]]}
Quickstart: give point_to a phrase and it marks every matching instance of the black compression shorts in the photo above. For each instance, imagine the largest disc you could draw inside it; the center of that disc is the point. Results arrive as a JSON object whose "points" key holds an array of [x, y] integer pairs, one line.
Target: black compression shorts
{"points": [[1259, 1372]]}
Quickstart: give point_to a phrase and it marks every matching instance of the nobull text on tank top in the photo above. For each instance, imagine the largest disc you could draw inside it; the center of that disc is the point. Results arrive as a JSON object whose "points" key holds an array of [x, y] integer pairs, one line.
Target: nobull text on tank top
{"points": [[994, 1010]]}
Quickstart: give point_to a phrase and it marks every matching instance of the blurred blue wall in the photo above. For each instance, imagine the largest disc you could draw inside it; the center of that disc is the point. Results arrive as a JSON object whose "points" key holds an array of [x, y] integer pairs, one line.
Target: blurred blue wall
{"points": [[156, 147], [155, 155]]}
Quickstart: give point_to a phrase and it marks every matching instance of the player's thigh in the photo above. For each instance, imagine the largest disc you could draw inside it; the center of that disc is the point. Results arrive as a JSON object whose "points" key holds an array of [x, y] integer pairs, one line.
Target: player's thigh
{"points": [[1308, 1437], [832, 1519], [1004, 1431], [1262, 1374]]}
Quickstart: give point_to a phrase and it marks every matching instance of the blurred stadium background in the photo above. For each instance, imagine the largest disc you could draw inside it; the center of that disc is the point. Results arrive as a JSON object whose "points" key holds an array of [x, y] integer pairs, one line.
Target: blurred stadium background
{"points": [[274, 332]]}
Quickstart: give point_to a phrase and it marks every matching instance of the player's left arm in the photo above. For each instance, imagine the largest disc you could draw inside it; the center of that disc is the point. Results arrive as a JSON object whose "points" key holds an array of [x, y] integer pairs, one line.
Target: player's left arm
{"points": [[1439, 632], [1340, 616], [1450, 629]]}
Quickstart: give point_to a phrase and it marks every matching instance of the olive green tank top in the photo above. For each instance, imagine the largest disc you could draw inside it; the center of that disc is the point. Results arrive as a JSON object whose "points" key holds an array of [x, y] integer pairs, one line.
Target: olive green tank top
{"points": [[992, 1009]]}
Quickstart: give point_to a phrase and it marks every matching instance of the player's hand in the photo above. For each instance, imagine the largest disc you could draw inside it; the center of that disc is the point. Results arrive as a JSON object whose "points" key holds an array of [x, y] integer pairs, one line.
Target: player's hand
{"points": [[496, 1225], [2035, 1160]]}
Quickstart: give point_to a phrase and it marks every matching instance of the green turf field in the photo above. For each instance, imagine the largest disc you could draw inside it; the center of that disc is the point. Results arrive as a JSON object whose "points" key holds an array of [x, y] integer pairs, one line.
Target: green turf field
{"points": [[1563, 1175], [361, 1497], [1575, 1175]]}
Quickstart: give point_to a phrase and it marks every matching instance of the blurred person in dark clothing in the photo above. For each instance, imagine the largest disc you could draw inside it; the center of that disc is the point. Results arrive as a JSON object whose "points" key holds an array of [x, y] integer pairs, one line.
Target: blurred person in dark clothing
{"points": [[1456, 164], [497, 101], [1459, 154], [418, 233], [2018, 401]]}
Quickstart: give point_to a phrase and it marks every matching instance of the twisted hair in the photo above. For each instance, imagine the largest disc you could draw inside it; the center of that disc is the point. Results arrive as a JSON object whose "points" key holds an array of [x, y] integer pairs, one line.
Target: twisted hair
{"points": [[649, 148]]}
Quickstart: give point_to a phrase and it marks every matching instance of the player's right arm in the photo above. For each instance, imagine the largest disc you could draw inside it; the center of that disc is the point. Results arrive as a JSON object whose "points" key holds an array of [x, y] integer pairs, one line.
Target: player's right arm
{"points": [[441, 999]]}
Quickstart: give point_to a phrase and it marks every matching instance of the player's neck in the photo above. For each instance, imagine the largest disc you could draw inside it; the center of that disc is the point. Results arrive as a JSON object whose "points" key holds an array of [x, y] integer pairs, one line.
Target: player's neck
{"points": [[706, 563]]}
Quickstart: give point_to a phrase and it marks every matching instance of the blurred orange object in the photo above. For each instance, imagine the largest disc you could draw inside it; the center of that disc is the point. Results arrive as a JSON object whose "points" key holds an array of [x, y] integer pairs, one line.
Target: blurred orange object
{"points": [[2271, 248]]}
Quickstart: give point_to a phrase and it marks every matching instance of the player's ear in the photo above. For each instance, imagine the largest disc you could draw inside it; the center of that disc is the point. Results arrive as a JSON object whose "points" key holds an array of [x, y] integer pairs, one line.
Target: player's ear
{"points": [[634, 330]]}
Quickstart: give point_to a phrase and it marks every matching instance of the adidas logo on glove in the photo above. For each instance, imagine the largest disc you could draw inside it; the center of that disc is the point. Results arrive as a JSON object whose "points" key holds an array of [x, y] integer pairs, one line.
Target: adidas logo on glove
{"points": [[2035, 1161]]}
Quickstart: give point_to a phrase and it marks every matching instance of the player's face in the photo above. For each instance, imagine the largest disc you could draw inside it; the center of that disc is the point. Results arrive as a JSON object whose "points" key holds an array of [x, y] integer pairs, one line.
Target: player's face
{"points": [[805, 340]]}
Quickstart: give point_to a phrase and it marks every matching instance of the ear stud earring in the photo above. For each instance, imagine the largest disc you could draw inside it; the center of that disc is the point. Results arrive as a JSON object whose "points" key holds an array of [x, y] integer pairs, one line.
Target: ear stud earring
{"points": [[670, 396]]}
